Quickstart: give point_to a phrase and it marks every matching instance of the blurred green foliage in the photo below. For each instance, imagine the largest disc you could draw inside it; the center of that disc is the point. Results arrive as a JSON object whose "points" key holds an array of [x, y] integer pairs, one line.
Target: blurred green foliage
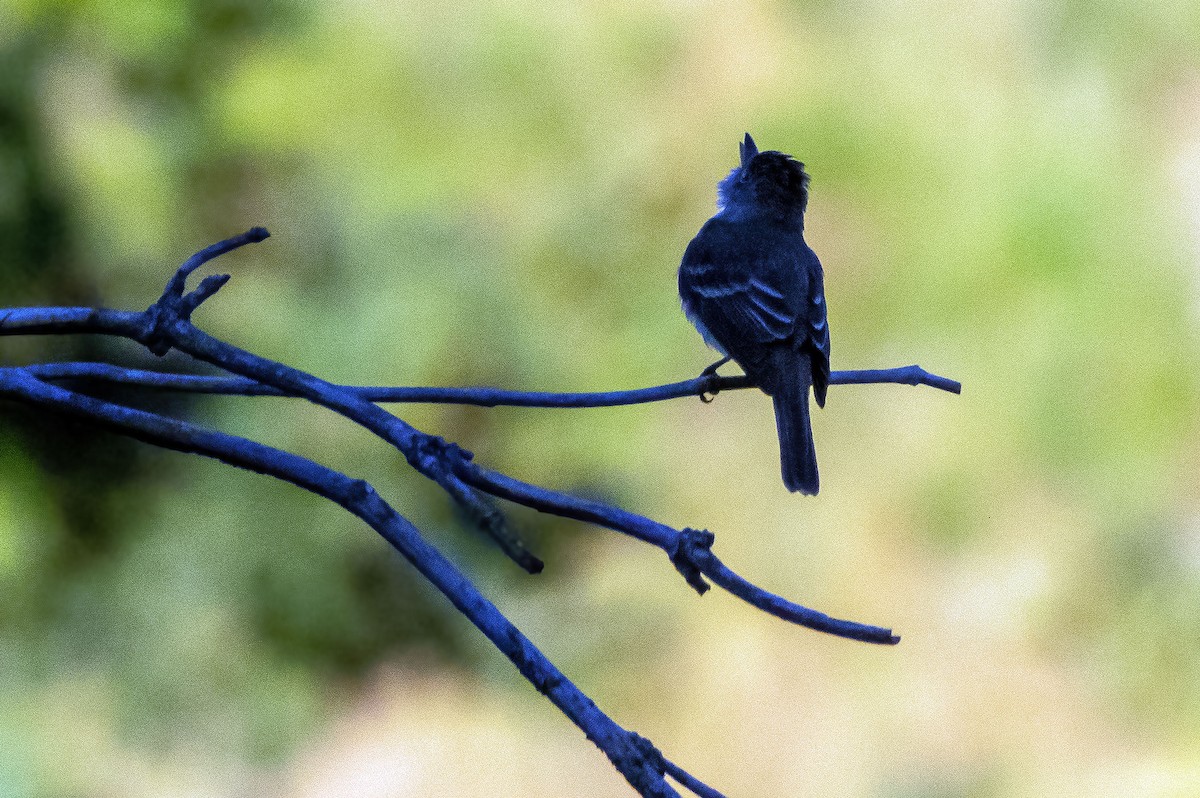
{"points": [[492, 193]]}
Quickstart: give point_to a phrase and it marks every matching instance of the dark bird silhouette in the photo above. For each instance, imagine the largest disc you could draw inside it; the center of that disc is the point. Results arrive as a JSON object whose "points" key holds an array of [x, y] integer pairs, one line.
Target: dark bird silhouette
{"points": [[755, 291]]}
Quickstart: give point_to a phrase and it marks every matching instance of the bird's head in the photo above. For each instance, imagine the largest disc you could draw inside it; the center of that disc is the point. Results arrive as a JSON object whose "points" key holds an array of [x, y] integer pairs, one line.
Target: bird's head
{"points": [[764, 184]]}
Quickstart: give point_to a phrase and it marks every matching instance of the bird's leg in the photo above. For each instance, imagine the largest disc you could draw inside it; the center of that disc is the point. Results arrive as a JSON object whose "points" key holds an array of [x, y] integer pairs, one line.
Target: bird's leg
{"points": [[711, 374], [711, 371]]}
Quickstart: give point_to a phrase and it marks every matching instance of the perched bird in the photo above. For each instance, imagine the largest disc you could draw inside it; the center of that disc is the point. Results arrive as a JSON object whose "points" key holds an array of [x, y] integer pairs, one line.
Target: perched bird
{"points": [[755, 291]]}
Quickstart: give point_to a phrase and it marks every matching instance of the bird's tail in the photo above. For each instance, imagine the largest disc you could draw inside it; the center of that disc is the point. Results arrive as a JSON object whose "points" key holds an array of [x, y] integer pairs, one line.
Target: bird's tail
{"points": [[797, 453]]}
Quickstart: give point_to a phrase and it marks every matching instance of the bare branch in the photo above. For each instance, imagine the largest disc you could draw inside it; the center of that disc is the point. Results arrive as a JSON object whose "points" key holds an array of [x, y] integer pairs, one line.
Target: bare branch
{"points": [[690, 551], [447, 464], [478, 396], [625, 749], [166, 325]]}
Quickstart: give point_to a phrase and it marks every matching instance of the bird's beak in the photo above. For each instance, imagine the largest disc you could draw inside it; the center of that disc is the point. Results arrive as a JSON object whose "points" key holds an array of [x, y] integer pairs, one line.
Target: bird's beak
{"points": [[749, 150]]}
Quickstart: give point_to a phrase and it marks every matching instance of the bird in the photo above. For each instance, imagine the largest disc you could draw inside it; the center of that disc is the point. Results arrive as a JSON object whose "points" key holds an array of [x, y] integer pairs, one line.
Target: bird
{"points": [[755, 291]]}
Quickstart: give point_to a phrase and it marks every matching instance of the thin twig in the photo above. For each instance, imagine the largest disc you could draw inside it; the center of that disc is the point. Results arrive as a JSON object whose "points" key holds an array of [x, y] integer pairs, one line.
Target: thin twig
{"points": [[479, 396], [688, 549]]}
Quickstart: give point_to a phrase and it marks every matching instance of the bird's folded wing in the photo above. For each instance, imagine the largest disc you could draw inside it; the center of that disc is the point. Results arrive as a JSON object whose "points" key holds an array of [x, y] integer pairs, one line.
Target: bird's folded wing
{"points": [[739, 307]]}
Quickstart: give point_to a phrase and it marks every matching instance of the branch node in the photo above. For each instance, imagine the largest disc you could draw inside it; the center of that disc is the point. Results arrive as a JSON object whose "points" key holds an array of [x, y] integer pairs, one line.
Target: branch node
{"points": [[440, 459], [693, 548], [174, 306], [358, 491], [433, 454], [648, 751], [155, 321]]}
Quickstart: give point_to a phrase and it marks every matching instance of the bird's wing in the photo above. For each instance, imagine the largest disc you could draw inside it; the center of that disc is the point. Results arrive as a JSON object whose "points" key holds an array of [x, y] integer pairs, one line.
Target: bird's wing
{"points": [[747, 293], [816, 331], [733, 287], [736, 306]]}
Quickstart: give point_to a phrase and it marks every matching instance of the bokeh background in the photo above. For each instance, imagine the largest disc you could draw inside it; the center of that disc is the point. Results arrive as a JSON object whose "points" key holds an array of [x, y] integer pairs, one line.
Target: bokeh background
{"points": [[1007, 193]]}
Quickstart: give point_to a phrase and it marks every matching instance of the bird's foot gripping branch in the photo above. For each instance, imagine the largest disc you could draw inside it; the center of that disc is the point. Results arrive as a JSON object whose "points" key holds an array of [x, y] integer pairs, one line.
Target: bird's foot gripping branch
{"points": [[167, 325]]}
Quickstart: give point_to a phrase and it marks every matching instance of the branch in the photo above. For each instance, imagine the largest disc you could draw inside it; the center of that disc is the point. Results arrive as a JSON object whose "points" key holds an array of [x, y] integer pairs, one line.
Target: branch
{"points": [[628, 751], [479, 396], [690, 551], [166, 324], [162, 327]]}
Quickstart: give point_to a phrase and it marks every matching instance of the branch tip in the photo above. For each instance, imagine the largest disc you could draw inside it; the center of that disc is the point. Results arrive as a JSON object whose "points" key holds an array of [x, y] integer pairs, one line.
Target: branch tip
{"points": [[798, 614], [208, 286], [482, 511], [251, 236]]}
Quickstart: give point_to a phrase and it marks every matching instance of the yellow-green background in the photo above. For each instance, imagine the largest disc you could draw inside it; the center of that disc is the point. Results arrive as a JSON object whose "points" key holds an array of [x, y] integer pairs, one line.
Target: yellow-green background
{"points": [[498, 193]]}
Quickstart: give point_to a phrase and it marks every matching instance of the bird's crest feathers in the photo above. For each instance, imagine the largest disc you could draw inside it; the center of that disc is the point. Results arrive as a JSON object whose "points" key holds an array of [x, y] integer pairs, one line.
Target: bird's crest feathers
{"points": [[769, 182], [748, 150]]}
